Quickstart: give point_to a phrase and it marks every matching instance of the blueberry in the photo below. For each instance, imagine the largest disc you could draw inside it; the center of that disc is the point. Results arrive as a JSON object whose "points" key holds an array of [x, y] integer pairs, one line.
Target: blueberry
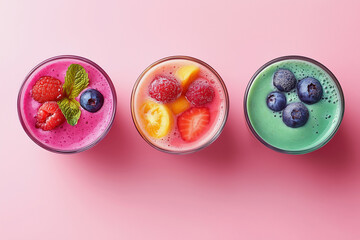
{"points": [[295, 115], [276, 101], [309, 90], [91, 100], [284, 80]]}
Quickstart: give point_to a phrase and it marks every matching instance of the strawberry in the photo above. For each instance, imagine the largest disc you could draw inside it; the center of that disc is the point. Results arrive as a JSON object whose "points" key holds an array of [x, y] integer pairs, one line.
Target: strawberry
{"points": [[193, 123], [49, 116], [47, 89]]}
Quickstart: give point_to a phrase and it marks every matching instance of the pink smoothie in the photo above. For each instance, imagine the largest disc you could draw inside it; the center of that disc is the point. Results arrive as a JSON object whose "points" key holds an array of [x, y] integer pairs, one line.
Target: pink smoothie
{"points": [[90, 128], [218, 107]]}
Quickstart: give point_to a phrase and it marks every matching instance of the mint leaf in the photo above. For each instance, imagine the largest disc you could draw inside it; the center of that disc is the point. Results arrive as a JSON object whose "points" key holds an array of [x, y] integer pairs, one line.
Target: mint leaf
{"points": [[76, 80], [71, 110]]}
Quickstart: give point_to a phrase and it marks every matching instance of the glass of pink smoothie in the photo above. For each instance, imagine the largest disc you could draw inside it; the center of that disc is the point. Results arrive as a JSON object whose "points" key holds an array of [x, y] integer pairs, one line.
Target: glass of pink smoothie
{"points": [[47, 125], [179, 104]]}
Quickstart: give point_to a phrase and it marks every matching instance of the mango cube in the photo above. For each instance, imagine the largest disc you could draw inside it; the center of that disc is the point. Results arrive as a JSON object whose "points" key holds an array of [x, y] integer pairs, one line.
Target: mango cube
{"points": [[187, 74], [180, 105]]}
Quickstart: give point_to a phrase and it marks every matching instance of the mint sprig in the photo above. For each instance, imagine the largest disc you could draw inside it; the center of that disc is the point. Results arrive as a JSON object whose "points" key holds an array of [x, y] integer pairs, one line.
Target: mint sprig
{"points": [[76, 80]]}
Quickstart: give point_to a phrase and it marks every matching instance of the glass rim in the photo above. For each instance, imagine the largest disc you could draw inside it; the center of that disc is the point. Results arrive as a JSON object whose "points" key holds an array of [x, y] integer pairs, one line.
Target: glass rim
{"points": [[221, 127], [45, 146], [323, 67]]}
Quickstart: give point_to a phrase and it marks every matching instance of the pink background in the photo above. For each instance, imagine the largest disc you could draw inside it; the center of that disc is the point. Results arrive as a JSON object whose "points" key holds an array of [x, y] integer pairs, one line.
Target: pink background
{"points": [[234, 189]]}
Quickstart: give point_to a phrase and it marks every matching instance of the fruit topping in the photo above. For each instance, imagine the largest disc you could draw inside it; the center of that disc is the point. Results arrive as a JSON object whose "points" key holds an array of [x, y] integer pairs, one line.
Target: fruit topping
{"points": [[180, 105], [284, 80], [164, 89], [295, 115], [276, 101], [200, 92], [309, 90], [193, 123], [47, 89], [187, 74], [91, 100], [156, 119], [49, 116]]}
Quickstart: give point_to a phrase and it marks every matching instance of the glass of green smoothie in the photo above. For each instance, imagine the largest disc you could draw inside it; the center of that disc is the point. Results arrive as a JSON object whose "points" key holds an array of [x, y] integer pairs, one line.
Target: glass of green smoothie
{"points": [[294, 105]]}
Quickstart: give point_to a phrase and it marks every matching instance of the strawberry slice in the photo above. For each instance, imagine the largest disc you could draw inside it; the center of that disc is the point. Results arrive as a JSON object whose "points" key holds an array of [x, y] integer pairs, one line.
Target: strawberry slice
{"points": [[193, 123], [49, 116]]}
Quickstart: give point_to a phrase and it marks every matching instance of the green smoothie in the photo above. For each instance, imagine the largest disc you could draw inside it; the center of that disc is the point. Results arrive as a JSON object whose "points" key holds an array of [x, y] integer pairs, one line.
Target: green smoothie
{"points": [[324, 116]]}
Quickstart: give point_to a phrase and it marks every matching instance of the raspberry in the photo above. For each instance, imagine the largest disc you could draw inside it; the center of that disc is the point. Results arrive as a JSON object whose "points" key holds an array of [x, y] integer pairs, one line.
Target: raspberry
{"points": [[49, 116], [200, 92], [47, 89], [164, 89]]}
